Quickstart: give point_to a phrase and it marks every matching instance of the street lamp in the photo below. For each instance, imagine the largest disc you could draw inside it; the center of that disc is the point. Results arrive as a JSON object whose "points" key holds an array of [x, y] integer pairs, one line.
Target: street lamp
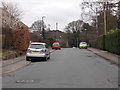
{"points": [[48, 27], [43, 30], [77, 41]]}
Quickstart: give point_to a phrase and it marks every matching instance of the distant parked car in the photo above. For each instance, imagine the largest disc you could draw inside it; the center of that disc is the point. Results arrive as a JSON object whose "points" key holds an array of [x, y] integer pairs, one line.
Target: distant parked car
{"points": [[83, 45], [56, 45], [36, 51], [73, 47]]}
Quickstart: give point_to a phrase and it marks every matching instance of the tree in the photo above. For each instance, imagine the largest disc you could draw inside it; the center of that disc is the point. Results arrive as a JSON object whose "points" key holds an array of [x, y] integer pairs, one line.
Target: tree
{"points": [[111, 22], [35, 36], [90, 10], [73, 32], [21, 39], [74, 26], [51, 41], [94, 9], [37, 26], [11, 17]]}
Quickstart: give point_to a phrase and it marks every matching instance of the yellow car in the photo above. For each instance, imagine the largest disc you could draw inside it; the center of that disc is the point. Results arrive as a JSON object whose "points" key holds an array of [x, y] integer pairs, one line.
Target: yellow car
{"points": [[83, 45]]}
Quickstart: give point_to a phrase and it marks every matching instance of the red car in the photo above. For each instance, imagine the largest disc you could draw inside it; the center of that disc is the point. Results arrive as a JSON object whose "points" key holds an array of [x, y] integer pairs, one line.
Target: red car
{"points": [[56, 45]]}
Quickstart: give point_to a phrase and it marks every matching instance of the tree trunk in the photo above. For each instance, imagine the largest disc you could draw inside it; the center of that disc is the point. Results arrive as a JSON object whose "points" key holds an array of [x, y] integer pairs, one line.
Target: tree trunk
{"points": [[8, 40]]}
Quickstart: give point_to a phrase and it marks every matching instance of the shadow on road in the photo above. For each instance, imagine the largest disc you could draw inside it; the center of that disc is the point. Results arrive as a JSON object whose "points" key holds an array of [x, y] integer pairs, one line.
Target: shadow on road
{"points": [[40, 60]]}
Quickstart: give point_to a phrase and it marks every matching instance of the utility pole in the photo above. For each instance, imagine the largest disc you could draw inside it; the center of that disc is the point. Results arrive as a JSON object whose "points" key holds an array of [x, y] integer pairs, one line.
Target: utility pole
{"points": [[97, 22], [105, 26]]}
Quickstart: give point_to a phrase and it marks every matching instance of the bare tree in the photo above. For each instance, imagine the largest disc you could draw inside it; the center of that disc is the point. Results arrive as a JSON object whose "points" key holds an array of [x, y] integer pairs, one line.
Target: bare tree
{"points": [[92, 9], [74, 26], [37, 26], [11, 16]]}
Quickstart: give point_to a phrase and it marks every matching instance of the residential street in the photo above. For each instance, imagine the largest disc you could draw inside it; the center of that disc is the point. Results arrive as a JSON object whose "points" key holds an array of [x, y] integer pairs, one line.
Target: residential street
{"points": [[60, 44], [67, 68]]}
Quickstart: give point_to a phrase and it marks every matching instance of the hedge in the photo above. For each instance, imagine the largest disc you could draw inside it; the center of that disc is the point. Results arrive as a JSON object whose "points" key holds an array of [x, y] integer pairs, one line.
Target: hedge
{"points": [[101, 42], [109, 42], [113, 42]]}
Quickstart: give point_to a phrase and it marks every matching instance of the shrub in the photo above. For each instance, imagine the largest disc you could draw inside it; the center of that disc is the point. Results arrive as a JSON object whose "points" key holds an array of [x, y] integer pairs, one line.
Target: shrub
{"points": [[113, 31], [17, 54]]}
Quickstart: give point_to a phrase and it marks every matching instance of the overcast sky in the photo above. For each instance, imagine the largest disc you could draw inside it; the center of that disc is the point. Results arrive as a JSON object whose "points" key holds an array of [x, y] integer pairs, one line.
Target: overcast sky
{"points": [[61, 11]]}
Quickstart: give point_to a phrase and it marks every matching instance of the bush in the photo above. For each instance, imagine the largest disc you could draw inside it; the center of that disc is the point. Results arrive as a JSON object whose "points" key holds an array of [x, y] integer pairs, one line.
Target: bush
{"points": [[20, 52], [6, 54], [113, 31], [17, 54]]}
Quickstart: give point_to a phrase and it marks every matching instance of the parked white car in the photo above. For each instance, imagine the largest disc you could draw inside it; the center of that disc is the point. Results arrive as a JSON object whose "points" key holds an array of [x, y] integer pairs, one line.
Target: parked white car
{"points": [[37, 51]]}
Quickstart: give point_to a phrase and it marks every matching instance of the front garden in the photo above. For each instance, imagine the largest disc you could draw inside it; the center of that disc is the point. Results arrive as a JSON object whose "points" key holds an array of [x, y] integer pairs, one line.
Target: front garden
{"points": [[9, 54]]}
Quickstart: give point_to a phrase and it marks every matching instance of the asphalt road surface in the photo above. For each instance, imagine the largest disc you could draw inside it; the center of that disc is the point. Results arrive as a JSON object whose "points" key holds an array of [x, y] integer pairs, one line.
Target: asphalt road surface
{"points": [[67, 68]]}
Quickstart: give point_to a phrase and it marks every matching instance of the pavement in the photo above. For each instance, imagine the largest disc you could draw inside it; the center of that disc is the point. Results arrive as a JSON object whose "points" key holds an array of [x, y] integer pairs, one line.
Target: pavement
{"points": [[14, 64], [113, 58]]}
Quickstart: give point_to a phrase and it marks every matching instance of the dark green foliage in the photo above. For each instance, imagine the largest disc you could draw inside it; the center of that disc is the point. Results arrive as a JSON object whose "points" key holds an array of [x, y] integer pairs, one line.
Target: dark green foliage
{"points": [[101, 42], [92, 43], [51, 41], [109, 42], [113, 42], [72, 40], [17, 54]]}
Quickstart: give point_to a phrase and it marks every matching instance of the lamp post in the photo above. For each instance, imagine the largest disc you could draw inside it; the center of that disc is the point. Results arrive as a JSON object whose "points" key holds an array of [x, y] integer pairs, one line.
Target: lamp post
{"points": [[119, 15], [56, 26], [43, 30], [77, 42], [48, 27]]}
